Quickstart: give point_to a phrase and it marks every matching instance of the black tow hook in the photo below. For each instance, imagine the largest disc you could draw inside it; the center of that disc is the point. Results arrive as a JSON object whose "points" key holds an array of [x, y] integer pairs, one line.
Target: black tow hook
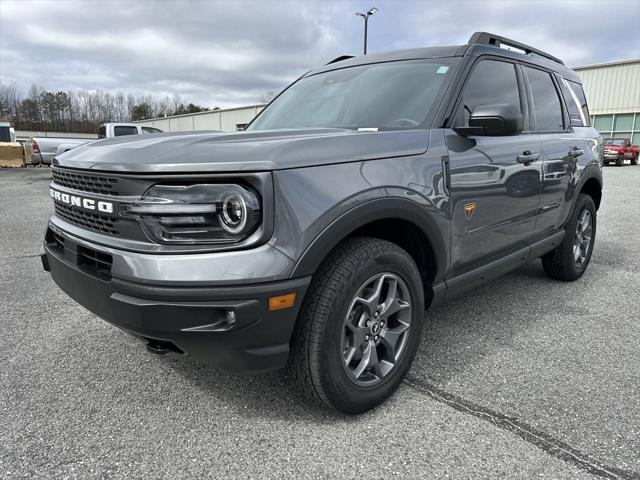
{"points": [[159, 347]]}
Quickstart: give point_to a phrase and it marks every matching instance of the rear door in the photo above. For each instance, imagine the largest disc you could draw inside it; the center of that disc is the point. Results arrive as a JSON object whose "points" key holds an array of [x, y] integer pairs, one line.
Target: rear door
{"points": [[494, 180], [561, 148]]}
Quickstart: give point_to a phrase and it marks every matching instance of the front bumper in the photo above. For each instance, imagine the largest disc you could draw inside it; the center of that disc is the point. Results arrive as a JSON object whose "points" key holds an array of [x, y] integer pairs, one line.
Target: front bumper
{"points": [[191, 320]]}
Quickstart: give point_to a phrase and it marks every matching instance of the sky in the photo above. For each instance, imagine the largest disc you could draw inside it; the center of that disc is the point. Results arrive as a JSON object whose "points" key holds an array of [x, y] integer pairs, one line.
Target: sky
{"points": [[230, 53]]}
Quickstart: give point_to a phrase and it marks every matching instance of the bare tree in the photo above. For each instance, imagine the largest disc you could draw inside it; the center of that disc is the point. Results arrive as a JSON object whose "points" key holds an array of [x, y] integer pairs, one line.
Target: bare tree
{"points": [[266, 97], [81, 110]]}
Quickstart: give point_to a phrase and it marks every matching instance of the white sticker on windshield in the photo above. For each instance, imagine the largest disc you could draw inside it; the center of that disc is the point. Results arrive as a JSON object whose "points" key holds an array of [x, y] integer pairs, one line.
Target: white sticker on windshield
{"points": [[368, 129], [443, 69]]}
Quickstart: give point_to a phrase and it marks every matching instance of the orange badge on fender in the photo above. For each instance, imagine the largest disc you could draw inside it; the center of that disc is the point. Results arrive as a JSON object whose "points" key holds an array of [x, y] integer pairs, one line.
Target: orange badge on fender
{"points": [[469, 208]]}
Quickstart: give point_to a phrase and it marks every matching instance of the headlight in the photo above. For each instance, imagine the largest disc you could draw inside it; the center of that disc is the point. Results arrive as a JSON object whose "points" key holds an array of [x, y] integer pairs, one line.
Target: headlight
{"points": [[198, 214]]}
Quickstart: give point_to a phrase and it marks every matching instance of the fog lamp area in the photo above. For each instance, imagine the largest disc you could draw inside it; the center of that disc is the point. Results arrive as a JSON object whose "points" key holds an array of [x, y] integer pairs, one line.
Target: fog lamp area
{"points": [[197, 214]]}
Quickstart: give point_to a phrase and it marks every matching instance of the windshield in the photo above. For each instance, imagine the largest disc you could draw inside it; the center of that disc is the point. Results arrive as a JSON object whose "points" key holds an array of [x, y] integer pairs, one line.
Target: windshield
{"points": [[381, 96], [616, 142]]}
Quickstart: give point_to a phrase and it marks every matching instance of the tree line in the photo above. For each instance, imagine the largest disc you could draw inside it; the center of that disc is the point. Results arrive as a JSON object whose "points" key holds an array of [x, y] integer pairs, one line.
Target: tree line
{"points": [[82, 111]]}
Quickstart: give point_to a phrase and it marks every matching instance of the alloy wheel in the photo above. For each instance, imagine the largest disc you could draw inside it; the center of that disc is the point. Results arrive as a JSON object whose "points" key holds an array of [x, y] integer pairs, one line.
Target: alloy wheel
{"points": [[376, 329], [584, 233]]}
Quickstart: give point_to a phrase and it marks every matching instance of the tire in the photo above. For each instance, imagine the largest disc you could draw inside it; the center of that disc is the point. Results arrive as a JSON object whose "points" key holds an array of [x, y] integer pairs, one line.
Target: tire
{"points": [[634, 160], [620, 161], [322, 339], [561, 263], [605, 163]]}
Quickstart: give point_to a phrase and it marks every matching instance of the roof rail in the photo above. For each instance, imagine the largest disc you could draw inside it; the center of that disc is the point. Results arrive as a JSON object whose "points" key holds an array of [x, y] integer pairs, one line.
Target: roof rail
{"points": [[485, 38], [339, 59]]}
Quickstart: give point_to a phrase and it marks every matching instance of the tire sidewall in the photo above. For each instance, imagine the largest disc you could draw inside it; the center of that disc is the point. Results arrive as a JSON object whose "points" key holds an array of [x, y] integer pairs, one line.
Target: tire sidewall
{"points": [[351, 397], [584, 202]]}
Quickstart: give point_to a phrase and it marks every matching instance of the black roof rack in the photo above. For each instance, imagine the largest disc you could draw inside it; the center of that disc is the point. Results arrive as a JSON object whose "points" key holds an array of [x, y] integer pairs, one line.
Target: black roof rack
{"points": [[339, 59], [485, 38]]}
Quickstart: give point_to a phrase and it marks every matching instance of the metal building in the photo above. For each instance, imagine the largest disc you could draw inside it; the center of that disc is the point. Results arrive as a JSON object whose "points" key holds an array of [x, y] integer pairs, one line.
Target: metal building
{"points": [[613, 93], [223, 120]]}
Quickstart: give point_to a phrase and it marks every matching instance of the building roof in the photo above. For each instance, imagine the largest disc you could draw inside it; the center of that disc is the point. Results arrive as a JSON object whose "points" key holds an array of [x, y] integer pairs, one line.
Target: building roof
{"points": [[607, 64], [206, 112]]}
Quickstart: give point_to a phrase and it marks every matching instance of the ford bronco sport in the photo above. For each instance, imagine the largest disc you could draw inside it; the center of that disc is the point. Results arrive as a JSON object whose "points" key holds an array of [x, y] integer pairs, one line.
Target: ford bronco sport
{"points": [[370, 189]]}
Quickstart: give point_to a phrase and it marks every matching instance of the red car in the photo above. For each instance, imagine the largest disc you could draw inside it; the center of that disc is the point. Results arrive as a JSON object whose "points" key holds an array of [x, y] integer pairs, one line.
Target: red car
{"points": [[618, 150]]}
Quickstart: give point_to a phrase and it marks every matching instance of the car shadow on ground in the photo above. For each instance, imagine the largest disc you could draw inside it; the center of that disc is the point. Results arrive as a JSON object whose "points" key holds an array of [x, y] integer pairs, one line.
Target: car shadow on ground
{"points": [[450, 328], [464, 330]]}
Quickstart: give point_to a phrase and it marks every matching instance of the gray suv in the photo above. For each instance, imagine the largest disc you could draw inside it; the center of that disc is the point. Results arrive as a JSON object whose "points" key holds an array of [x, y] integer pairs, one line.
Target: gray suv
{"points": [[369, 190]]}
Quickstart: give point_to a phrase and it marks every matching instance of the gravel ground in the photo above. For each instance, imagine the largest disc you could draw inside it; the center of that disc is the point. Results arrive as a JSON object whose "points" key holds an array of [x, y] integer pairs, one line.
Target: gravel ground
{"points": [[523, 378]]}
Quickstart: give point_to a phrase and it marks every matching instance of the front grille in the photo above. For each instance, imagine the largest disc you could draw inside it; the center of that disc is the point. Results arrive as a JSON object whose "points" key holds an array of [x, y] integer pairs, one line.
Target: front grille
{"points": [[95, 262], [97, 222], [86, 183], [90, 261], [55, 240]]}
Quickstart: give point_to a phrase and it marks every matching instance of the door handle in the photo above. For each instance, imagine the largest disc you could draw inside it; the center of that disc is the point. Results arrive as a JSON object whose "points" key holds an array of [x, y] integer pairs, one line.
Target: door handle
{"points": [[527, 157], [576, 152]]}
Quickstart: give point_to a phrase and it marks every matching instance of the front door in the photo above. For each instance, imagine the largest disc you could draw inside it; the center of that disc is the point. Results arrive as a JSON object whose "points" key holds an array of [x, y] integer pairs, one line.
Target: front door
{"points": [[494, 181]]}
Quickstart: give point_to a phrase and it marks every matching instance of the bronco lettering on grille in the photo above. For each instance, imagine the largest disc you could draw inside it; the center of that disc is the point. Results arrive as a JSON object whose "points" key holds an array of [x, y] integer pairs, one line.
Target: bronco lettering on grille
{"points": [[86, 203]]}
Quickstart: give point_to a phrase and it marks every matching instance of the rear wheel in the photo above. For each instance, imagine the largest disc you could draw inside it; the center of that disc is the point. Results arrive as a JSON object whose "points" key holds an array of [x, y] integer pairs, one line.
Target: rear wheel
{"points": [[570, 260], [359, 327]]}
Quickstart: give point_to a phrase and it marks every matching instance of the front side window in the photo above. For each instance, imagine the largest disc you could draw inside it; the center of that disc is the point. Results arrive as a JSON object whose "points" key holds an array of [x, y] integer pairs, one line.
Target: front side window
{"points": [[546, 103], [491, 83], [382, 96], [122, 130], [150, 130]]}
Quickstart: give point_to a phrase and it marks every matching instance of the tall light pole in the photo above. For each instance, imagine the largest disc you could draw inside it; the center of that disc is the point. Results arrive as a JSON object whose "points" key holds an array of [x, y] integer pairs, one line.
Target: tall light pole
{"points": [[372, 11]]}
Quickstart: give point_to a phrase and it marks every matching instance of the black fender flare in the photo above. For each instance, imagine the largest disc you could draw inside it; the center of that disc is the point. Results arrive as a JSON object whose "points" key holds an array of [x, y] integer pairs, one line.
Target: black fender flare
{"points": [[363, 214], [590, 174]]}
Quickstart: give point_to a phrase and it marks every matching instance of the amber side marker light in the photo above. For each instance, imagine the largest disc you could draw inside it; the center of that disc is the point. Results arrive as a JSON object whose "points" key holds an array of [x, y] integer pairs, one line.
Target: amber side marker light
{"points": [[282, 301]]}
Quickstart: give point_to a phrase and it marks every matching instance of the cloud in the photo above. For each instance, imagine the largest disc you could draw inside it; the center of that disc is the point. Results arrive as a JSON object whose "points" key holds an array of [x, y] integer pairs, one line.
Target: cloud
{"points": [[229, 53]]}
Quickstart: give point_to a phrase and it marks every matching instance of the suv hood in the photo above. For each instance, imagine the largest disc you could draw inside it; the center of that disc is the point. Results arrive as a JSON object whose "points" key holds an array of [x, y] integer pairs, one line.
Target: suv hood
{"points": [[241, 151]]}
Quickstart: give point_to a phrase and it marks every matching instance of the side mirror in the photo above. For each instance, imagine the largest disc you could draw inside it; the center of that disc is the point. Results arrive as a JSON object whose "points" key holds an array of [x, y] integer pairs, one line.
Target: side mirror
{"points": [[493, 120]]}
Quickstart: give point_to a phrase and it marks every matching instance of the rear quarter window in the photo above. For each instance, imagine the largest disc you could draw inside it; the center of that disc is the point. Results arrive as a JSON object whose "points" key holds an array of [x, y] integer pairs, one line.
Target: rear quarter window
{"points": [[576, 103]]}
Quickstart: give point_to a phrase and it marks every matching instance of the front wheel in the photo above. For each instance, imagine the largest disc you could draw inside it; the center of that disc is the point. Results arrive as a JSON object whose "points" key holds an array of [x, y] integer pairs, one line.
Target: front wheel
{"points": [[570, 260], [620, 161], [359, 327]]}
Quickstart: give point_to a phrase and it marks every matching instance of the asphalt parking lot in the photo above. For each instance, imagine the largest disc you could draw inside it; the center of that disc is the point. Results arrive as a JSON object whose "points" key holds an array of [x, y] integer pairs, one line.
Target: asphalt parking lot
{"points": [[524, 378]]}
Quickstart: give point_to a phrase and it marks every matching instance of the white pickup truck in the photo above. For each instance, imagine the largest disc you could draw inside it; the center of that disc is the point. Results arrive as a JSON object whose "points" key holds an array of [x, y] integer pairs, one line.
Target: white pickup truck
{"points": [[43, 149]]}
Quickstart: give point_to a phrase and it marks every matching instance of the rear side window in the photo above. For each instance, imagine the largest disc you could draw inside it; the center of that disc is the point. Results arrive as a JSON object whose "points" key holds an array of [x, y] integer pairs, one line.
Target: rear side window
{"points": [[576, 99], [491, 82], [546, 103], [120, 131]]}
